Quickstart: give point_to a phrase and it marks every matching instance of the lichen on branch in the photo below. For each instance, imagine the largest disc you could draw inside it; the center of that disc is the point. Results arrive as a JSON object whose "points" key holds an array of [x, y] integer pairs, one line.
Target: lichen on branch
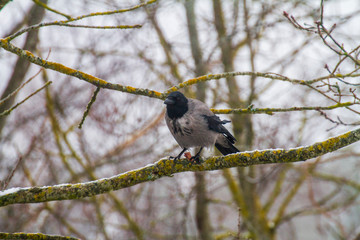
{"points": [[166, 167], [76, 73], [33, 236]]}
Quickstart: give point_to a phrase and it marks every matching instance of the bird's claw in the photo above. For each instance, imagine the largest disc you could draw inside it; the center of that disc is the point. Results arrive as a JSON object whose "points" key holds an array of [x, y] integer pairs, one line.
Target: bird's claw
{"points": [[175, 159], [195, 159]]}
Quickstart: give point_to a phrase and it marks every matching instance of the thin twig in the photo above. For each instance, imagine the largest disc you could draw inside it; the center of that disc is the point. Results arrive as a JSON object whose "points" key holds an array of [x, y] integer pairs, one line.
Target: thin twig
{"points": [[41, 4], [331, 73], [322, 12], [269, 75], [6, 112], [270, 111], [99, 27], [76, 73], [6, 182], [338, 122], [11, 37], [19, 88], [93, 98]]}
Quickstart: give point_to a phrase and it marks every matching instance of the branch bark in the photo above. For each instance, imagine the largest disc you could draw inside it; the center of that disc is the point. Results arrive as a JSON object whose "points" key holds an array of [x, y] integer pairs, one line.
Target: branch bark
{"points": [[58, 67], [23, 236], [166, 167], [3, 3], [27, 55]]}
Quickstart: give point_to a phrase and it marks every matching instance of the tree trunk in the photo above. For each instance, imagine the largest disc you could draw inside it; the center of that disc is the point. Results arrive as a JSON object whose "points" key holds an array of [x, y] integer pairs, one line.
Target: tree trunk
{"points": [[22, 65]]}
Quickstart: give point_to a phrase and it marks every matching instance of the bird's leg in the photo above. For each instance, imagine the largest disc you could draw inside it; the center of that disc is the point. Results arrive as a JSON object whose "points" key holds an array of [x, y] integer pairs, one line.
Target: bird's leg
{"points": [[178, 156], [196, 158]]}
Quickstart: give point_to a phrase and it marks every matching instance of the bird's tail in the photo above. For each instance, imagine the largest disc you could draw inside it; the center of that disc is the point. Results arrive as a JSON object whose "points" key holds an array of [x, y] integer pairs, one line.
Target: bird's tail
{"points": [[225, 150]]}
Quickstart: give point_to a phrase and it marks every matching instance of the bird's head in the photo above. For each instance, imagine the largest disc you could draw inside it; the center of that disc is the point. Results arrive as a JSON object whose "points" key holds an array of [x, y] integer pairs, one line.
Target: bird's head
{"points": [[176, 105]]}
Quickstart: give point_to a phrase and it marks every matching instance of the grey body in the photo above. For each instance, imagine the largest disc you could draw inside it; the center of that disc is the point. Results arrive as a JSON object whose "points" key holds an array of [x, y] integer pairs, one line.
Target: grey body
{"points": [[192, 124], [191, 130]]}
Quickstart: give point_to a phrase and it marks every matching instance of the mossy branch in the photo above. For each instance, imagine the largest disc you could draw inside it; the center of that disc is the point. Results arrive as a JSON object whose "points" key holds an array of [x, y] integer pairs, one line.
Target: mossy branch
{"points": [[166, 167], [33, 236], [270, 111], [268, 75], [5, 44], [99, 27], [75, 73]]}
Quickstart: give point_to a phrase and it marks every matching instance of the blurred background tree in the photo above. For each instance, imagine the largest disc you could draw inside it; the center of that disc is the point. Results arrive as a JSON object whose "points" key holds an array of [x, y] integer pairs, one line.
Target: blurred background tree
{"points": [[41, 143]]}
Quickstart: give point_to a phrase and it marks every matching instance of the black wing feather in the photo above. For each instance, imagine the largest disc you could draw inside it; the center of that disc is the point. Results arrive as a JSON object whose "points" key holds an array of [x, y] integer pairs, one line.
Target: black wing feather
{"points": [[216, 124], [226, 150]]}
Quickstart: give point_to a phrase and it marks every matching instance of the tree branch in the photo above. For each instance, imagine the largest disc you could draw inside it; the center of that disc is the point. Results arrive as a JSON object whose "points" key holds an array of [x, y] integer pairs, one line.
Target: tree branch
{"points": [[270, 111], [269, 75], [75, 73], [93, 99], [21, 235], [41, 4], [147, 92], [166, 167], [8, 111], [16, 91], [3, 3], [64, 23]]}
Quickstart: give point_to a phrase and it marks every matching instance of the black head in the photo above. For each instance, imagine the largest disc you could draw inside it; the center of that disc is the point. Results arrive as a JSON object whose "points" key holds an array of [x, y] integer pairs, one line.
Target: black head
{"points": [[176, 105]]}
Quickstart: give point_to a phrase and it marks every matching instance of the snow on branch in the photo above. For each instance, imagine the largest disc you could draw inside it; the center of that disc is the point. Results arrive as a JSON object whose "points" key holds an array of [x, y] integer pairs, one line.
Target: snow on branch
{"points": [[166, 167]]}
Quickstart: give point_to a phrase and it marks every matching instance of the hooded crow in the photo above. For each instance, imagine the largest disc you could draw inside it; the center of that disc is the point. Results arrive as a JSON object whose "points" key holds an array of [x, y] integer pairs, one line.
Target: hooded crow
{"points": [[192, 124]]}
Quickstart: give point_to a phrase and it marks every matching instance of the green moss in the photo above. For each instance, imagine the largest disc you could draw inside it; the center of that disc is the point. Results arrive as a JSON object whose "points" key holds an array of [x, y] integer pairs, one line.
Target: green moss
{"points": [[130, 89], [39, 196], [165, 167]]}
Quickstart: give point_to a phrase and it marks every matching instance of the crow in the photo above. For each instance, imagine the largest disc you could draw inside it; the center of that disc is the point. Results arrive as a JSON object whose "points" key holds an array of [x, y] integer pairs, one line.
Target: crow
{"points": [[192, 124]]}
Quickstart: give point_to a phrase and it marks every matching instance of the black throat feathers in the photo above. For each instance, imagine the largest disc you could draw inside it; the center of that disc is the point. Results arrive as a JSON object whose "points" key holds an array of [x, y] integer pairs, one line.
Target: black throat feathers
{"points": [[176, 111]]}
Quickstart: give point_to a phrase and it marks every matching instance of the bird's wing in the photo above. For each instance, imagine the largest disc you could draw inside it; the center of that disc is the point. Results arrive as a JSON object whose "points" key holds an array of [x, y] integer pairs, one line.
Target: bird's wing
{"points": [[216, 124]]}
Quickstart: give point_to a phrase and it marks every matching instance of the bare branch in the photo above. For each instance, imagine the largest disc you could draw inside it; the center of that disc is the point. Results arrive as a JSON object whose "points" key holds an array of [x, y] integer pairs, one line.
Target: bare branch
{"points": [[93, 99], [19, 88], [41, 4], [8, 111], [5, 183], [64, 23]]}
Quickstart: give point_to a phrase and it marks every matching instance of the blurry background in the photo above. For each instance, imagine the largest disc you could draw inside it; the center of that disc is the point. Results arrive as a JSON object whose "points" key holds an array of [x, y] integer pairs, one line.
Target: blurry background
{"points": [[180, 40]]}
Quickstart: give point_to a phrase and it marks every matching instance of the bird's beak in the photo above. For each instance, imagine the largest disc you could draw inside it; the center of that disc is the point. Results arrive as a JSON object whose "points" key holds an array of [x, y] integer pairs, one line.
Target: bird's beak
{"points": [[169, 101]]}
